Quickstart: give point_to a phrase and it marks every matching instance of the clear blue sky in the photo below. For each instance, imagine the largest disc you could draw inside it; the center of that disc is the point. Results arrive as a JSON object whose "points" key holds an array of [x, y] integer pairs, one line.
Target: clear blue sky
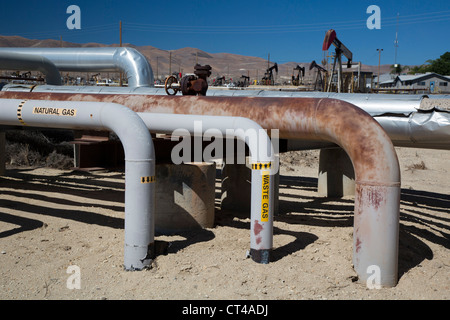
{"points": [[288, 30]]}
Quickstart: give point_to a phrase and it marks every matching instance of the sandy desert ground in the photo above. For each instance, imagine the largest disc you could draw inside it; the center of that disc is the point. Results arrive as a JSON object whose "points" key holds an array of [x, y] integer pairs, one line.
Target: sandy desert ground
{"points": [[52, 219]]}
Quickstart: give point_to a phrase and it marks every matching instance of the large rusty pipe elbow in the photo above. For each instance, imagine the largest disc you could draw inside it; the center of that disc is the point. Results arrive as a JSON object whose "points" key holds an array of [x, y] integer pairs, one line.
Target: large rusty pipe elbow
{"points": [[377, 194], [377, 173]]}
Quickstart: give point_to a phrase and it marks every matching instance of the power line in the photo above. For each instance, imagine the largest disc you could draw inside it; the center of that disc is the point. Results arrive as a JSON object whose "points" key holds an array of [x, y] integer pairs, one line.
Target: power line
{"points": [[292, 28], [344, 25], [286, 26], [65, 31]]}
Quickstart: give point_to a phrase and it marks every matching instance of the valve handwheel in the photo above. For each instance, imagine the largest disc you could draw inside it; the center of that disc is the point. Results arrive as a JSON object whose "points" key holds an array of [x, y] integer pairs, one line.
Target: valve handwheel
{"points": [[168, 86]]}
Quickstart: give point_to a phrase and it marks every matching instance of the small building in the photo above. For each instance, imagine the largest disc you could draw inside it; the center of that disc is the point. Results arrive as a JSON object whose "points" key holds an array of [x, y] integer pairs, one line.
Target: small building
{"points": [[386, 80], [429, 82]]}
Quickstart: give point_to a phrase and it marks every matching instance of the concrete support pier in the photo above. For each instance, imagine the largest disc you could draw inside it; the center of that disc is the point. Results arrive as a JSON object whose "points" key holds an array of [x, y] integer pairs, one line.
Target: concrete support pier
{"points": [[336, 174], [185, 196]]}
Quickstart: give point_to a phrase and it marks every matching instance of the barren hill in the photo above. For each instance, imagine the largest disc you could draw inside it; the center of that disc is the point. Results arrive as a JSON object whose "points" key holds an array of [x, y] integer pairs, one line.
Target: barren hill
{"points": [[182, 60]]}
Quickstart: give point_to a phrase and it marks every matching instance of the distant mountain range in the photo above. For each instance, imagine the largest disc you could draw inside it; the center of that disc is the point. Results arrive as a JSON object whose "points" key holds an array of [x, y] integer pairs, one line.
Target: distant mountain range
{"points": [[183, 60]]}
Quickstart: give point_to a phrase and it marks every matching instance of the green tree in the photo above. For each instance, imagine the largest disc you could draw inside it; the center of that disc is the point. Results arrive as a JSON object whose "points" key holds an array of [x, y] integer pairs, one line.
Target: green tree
{"points": [[440, 66], [398, 68], [424, 68]]}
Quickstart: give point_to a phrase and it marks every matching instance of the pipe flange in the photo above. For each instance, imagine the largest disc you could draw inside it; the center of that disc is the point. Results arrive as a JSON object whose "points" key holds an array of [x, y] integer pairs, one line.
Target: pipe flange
{"points": [[185, 85], [202, 72]]}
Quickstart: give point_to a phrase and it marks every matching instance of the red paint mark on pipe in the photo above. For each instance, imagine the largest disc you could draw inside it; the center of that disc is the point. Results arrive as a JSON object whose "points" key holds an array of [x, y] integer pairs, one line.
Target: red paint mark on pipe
{"points": [[358, 244], [258, 240], [376, 196], [257, 228]]}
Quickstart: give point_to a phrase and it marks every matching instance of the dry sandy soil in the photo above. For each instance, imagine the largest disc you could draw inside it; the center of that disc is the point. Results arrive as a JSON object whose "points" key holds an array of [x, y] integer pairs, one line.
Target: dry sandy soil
{"points": [[52, 219]]}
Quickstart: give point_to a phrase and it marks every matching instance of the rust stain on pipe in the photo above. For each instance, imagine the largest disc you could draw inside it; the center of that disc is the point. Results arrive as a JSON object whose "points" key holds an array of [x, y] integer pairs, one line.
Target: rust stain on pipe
{"points": [[337, 121], [377, 174]]}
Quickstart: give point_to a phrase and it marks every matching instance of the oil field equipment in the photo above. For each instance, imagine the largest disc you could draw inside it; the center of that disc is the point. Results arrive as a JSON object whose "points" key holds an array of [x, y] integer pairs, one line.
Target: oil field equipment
{"points": [[219, 81], [341, 49], [244, 82], [300, 75], [191, 85], [268, 76], [320, 80]]}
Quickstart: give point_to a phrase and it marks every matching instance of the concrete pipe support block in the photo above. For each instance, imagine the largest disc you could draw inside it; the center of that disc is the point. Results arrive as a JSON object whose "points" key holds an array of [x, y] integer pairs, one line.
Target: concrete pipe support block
{"points": [[336, 174], [185, 196]]}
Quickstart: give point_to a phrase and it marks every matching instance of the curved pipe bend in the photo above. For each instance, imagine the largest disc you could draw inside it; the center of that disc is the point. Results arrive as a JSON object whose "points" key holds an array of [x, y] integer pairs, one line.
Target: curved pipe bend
{"points": [[139, 158], [377, 194], [262, 151], [104, 59], [26, 62], [375, 162]]}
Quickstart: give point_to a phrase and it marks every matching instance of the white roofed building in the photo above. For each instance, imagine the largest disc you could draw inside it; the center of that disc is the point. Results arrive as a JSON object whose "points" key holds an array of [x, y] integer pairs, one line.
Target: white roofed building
{"points": [[429, 82]]}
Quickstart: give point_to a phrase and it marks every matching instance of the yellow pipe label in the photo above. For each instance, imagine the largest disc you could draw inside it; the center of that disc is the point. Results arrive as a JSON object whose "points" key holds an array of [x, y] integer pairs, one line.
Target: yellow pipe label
{"points": [[55, 111], [265, 196], [148, 179], [19, 113], [261, 166]]}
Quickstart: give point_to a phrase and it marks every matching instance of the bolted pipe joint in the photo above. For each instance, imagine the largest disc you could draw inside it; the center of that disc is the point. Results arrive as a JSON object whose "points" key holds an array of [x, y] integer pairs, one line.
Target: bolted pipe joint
{"points": [[196, 85]]}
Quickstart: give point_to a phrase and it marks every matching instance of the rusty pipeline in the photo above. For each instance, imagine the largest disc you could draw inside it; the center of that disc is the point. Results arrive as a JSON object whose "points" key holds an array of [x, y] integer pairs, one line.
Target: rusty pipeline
{"points": [[375, 162]]}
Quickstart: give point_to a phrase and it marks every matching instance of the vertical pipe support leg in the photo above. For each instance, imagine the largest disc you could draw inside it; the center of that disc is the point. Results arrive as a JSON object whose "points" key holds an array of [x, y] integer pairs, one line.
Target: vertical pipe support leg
{"points": [[376, 231], [2, 153], [261, 229], [139, 214]]}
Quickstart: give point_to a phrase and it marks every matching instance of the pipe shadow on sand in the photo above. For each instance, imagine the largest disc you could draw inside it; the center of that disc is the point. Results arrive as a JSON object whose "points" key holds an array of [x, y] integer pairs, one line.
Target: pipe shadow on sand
{"points": [[423, 217]]}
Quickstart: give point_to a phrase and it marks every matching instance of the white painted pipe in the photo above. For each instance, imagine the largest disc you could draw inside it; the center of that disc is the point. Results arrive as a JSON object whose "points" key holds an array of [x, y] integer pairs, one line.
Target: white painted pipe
{"points": [[263, 161], [139, 158], [104, 59], [27, 62]]}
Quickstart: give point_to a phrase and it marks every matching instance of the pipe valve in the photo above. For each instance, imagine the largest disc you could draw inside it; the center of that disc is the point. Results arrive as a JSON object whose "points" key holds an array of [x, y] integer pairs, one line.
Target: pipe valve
{"points": [[190, 85]]}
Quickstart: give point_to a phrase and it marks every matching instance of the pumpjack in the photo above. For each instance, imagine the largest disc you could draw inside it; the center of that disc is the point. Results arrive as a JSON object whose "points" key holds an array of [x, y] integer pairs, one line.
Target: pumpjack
{"points": [[301, 74], [245, 82], [268, 76], [341, 49], [219, 81], [319, 78]]}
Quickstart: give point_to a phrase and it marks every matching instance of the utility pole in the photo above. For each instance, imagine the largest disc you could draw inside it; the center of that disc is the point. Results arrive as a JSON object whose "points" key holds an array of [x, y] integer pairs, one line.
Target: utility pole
{"points": [[120, 44], [396, 43], [157, 67], [120, 32], [170, 63], [379, 60]]}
